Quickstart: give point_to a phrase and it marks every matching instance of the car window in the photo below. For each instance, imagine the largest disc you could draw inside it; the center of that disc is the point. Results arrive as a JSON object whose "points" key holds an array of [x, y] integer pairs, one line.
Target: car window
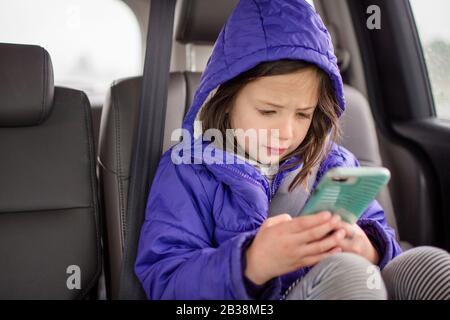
{"points": [[432, 22], [91, 43]]}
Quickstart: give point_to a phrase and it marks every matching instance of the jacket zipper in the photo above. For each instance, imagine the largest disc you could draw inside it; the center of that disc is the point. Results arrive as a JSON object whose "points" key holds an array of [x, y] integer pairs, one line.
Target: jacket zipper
{"points": [[266, 189], [269, 190], [291, 287], [276, 183]]}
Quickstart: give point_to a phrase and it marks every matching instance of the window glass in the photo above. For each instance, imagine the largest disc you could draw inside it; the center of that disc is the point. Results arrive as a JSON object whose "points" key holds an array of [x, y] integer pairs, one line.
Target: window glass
{"points": [[91, 43], [433, 26]]}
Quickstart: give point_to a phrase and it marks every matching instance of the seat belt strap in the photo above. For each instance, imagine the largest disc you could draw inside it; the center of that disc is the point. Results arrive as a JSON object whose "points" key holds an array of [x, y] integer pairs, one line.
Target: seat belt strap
{"points": [[148, 137]]}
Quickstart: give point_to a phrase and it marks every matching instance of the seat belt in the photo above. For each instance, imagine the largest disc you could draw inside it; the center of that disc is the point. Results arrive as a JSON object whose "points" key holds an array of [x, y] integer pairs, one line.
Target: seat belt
{"points": [[292, 202], [148, 137]]}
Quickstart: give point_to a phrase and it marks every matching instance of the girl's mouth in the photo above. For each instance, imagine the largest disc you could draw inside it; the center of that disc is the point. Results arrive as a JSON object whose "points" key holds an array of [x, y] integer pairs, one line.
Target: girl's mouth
{"points": [[275, 151]]}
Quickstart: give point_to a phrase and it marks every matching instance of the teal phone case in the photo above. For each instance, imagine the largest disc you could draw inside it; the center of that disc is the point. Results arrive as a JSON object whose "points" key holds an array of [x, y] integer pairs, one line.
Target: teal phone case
{"points": [[347, 191]]}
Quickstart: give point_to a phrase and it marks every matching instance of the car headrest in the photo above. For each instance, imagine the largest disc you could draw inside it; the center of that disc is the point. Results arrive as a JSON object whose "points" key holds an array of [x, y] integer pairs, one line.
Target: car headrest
{"points": [[26, 85], [200, 21], [342, 55]]}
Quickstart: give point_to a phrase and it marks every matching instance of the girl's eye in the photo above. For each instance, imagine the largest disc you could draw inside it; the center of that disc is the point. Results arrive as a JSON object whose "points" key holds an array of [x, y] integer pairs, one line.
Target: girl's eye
{"points": [[304, 115], [267, 112]]}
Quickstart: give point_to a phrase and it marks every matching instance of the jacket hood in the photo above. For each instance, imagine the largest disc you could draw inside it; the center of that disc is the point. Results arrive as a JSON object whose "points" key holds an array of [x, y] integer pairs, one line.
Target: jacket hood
{"points": [[266, 30]]}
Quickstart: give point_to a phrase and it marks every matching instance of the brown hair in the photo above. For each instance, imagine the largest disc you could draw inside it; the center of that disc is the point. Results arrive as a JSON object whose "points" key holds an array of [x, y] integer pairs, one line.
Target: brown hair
{"points": [[325, 118]]}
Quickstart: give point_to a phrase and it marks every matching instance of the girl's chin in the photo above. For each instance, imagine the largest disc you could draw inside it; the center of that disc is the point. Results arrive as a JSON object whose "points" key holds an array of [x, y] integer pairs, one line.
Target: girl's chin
{"points": [[269, 159]]}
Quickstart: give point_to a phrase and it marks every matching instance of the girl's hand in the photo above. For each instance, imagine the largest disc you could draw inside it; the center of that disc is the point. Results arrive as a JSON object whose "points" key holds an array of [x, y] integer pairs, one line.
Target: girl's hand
{"points": [[356, 241], [284, 244]]}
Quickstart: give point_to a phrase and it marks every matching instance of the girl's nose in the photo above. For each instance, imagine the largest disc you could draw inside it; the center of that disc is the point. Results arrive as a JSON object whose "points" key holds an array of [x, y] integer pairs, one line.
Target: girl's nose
{"points": [[286, 130]]}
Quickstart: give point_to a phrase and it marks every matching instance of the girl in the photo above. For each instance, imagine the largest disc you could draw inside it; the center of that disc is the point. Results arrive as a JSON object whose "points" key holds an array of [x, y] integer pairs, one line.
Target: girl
{"points": [[220, 229]]}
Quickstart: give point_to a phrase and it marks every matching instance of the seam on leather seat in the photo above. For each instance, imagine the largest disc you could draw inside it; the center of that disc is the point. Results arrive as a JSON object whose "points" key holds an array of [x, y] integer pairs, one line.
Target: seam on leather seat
{"points": [[44, 210], [116, 114], [41, 115], [186, 87], [91, 160], [105, 167]]}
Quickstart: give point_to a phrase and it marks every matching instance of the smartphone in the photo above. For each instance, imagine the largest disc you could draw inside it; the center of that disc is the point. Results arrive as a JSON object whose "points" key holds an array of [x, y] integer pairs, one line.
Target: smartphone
{"points": [[347, 191]]}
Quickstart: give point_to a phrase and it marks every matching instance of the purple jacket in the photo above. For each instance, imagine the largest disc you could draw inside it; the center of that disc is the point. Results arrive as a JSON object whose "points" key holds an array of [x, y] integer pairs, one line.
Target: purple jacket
{"points": [[200, 218]]}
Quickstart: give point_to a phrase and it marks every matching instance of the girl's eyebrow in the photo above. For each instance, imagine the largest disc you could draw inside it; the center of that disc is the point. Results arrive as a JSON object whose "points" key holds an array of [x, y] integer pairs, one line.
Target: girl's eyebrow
{"points": [[282, 107]]}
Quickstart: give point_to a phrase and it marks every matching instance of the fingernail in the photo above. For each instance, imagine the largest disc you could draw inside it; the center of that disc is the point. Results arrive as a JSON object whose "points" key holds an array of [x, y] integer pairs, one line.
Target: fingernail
{"points": [[336, 218], [326, 214]]}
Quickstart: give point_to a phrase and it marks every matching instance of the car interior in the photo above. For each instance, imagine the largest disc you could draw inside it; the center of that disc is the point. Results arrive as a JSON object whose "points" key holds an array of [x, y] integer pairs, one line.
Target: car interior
{"points": [[68, 161]]}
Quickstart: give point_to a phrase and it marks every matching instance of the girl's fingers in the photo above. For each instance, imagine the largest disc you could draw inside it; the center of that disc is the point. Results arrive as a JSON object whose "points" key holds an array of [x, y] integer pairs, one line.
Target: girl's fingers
{"points": [[350, 229], [315, 259], [345, 246], [303, 223], [318, 232], [273, 221], [324, 245], [350, 245], [335, 250]]}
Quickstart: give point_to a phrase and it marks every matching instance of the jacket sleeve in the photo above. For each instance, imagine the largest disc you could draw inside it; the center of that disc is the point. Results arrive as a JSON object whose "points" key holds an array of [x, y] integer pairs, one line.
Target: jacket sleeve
{"points": [[373, 220], [177, 257]]}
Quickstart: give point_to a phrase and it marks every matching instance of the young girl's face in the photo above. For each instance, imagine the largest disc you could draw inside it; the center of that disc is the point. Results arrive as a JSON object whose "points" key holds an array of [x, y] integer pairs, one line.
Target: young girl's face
{"points": [[285, 103]]}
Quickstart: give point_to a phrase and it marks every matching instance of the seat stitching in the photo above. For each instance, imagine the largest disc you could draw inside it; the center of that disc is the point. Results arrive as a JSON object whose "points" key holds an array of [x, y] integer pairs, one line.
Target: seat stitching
{"points": [[93, 189], [43, 86], [119, 165]]}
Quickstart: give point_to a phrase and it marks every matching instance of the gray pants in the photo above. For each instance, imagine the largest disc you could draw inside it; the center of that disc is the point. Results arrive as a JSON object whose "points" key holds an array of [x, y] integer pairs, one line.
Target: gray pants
{"points": [[421, 273]]}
